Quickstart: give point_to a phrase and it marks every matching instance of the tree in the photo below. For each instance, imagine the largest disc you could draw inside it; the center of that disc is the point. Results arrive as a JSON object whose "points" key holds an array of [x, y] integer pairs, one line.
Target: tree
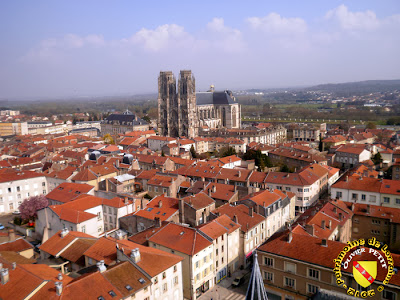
{"points": [[228, 151], [31, 205], [147, 119], [162, 153], [371, 125], [377, 158], [285, 169], [108, 139], [321, 144], [193, 152]]}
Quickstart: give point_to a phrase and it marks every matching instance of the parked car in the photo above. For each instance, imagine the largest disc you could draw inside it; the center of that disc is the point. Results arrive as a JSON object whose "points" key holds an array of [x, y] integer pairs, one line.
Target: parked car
{"points": [[16, 212], [238, 281], [1, 226]]}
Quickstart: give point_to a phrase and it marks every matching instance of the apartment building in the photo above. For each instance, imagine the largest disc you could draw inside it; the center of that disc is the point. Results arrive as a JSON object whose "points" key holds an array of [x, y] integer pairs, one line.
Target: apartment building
{"points": [[15, 186], [197, 253]]}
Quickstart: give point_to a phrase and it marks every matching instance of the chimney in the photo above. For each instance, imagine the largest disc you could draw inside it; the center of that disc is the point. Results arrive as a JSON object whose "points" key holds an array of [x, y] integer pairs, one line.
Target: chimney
{"points": [[368, 209], [64, 232], [59, 276], [214, 188], [289, 237], [352, 207], [235, 218], [135, 255], [323, 224], [158, 222], [181, 211], [14, 265], [239, 173], [11, 235], [251, 211], [324, 243], [310, 229], [209, 192], [330, 224], [59, 288], [126, 201], [4, 276], [347, 178], [160, 203], [100, 266]]}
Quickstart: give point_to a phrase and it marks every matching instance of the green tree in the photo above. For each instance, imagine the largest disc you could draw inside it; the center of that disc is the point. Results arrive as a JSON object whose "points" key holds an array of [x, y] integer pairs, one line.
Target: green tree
{"points": [[193, 152], [371, 125], [146, 118], [285, 169], [228, 151], [377, 158]]}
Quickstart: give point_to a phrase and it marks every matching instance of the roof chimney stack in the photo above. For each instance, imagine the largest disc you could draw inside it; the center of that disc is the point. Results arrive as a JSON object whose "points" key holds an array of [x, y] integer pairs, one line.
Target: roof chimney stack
{"points": [[64, 232], [11, 235], [214, 188], [100, 266], [330, 224], [289, 237], [135, 255], [59, 276], [14, 265], [4, 276], [324, 243], [160, 203], [59, 288]]}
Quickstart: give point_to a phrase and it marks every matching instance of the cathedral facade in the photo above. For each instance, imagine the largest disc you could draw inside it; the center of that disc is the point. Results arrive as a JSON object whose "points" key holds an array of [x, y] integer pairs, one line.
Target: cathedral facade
{"points": [[183, 112]]}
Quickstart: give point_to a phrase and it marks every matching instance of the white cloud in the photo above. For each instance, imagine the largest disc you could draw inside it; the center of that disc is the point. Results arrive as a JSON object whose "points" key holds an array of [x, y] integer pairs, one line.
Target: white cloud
{"points": [[276, 24], [361, 20], [161, 37], [224, 37]]}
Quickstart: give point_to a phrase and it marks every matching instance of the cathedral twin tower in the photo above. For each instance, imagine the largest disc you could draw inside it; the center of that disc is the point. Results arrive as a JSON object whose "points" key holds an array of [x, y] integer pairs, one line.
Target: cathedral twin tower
{"points": [[177, 111], [183, 112]]}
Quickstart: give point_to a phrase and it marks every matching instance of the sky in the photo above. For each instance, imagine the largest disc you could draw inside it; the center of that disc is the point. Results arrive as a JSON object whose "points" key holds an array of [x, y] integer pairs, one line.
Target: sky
{"points": [[81, 48]]}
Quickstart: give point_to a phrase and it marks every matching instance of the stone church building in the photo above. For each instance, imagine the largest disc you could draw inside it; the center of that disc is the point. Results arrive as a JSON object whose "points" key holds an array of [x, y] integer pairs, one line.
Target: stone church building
{"points": [[184, 112]]}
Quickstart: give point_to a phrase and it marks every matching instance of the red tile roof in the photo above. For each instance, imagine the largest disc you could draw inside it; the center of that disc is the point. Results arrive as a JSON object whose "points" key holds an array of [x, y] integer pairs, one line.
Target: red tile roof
{"points": [[180, 238], [160, 207], [17, 246], [199, 201], [67, 191]]}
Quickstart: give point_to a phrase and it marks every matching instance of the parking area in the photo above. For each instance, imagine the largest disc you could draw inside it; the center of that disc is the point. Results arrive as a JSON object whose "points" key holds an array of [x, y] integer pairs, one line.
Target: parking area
{"points": [[5, 218]]}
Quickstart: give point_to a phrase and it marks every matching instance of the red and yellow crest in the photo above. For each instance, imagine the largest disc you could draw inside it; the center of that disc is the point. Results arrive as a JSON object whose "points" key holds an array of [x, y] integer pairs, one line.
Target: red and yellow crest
{"points": [[364, 272]]}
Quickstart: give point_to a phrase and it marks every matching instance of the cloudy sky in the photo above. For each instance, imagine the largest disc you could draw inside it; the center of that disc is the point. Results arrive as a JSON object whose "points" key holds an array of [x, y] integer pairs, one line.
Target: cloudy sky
{"points": [[88, 48]]}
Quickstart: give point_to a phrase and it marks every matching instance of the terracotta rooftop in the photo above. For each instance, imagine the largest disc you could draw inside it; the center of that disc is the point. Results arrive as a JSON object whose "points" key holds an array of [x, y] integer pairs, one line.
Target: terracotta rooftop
{"points": [[199, 201], [160, 207], [67, 191], [180, 238]]}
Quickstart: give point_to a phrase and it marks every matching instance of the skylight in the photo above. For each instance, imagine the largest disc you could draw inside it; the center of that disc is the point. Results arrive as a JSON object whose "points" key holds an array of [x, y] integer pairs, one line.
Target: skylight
{"points": [[141, 280], [112, 293], [128, 287]]}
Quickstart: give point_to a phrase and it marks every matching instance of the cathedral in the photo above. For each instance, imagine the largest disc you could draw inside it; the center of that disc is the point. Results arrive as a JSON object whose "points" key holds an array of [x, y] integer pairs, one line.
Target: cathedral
{"points": [[183, 112]]}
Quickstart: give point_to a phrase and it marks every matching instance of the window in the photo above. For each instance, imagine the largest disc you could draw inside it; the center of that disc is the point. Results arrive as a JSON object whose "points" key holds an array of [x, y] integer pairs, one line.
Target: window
{"points": [[372, 198], [98, 216], [300, 190], [198, 277], [43, 183], [290, 282], [268, 261], [83, 228], [388, 295], [397, 201], [164, 275], [99, 229], [290, 267], [376, 222], [11, 205], [9, 190], [312, 273], [306, 190], [175, 268], [287, 188], [205, 272], [175, 280], [312, 289], [339, 195], [216, 264], [268, 276], [18, 189], [386, 199], [197, 264], [19, 196], [156, 189], [363, 197], [216, 252], [354, 196], [156, 280]]}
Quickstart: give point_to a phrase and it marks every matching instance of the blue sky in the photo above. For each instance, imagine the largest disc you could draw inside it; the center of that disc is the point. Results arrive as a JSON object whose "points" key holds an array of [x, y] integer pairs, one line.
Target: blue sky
{"points": [[88, 48]]}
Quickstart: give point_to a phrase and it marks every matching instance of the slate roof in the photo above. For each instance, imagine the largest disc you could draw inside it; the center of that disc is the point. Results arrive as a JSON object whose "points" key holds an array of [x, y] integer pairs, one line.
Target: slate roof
{"points": [[221, 98]]}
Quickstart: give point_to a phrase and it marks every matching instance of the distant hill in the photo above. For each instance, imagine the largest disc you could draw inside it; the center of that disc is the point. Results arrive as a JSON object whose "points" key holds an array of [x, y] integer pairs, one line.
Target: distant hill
{"points": [[357, 88]]}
